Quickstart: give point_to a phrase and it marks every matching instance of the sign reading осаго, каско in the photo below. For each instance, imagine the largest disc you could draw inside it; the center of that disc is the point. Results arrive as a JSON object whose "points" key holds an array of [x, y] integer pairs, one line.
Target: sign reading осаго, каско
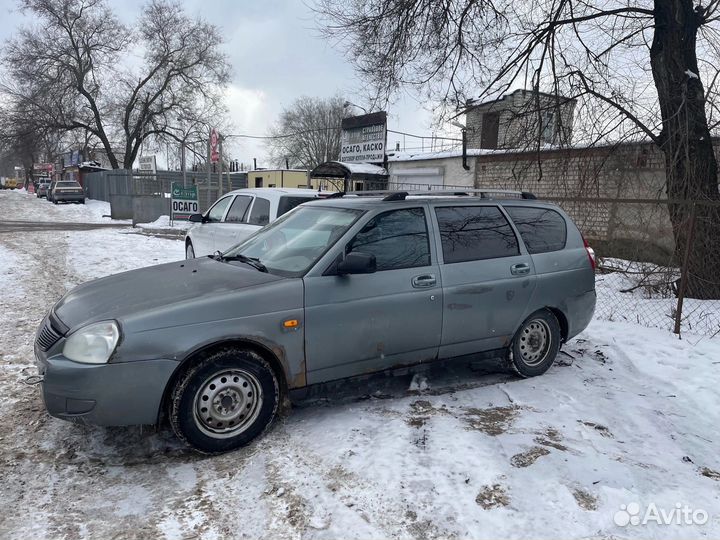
{"points": [[363, 138]]}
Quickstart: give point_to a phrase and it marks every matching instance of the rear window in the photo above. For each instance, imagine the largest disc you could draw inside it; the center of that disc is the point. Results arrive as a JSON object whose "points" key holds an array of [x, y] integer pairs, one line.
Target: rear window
{"points": [[541, 229], [68, 184], [288, 202], [472, 233]]}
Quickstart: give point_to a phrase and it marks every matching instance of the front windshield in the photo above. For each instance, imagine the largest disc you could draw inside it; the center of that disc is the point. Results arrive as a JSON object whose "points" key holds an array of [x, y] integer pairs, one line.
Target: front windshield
{"points": [[294, 242]]}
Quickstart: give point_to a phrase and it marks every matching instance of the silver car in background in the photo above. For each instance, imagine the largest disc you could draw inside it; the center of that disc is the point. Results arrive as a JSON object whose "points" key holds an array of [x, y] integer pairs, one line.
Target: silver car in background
{"points": [[333, 289]]}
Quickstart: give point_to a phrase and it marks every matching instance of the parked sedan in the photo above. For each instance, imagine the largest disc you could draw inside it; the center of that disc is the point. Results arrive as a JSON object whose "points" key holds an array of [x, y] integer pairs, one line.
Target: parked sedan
{"points": [[237, 215], [42, 189], [66, 191], [334, 289]]}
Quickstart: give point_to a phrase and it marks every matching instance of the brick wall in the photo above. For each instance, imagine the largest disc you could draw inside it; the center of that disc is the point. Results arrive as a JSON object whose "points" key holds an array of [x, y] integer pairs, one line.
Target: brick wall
{"points": [[628, 171]]}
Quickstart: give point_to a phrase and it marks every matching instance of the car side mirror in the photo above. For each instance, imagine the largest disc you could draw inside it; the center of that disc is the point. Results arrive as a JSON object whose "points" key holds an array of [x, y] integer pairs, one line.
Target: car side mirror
{"points": [[196, 218], [357, 262]]}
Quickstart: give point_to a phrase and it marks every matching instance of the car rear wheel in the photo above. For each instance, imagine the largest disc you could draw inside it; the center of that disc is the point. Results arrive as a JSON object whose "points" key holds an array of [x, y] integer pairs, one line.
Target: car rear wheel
{"points": [[535, 344], [224, 401], [189, 251]]}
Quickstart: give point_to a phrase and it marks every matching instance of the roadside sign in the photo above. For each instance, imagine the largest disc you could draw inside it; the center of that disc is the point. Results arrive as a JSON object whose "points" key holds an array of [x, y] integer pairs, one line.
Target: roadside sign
{"points": [[184, 201], [363, 138], [147, 163], [214, 153]]}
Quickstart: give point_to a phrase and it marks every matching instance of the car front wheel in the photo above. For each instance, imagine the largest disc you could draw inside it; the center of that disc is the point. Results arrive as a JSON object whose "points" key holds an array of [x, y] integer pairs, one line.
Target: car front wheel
{"points": [[535, 344], [224, 401], [189, 251]]}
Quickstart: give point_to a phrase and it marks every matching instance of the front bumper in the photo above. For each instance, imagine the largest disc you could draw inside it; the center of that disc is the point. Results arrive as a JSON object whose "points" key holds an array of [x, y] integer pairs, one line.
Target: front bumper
{"points": [[121, 394]]}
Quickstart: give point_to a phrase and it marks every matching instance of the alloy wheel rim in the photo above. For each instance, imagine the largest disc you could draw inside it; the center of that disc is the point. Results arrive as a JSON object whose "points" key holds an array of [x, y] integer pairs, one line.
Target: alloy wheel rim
{"points": [[227, 403], [534, 342]]}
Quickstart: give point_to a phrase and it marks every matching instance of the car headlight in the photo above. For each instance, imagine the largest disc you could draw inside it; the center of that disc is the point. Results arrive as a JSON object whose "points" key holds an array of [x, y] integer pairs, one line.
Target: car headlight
{"points": [[92, 344]]}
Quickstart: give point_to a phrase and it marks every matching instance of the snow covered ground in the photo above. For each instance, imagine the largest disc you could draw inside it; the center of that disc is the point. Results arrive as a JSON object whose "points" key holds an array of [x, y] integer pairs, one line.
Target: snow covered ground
{"points": [[26, 206], [627, 420]]}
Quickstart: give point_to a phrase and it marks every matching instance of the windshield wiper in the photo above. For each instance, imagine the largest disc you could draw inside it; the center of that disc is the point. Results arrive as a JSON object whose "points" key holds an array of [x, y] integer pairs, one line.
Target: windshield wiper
{"points": [[252, 261]]}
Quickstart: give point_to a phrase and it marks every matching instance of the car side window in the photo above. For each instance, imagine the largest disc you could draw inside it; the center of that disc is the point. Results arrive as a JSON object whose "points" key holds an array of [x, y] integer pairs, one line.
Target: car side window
{"points": [[288, 202], [215, 213], [472, 233], [542, 229], [260, 212], [398, 239], [238, 209]]}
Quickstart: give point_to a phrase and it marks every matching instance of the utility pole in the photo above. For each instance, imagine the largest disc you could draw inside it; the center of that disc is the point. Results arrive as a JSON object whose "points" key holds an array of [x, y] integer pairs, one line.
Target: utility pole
{"points": [[207, 187], [184, 165], [220, 176]]}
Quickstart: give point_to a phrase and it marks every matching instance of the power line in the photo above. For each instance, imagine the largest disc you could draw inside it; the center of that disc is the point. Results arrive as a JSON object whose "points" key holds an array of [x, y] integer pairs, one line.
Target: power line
{"points": [[295, 134]]}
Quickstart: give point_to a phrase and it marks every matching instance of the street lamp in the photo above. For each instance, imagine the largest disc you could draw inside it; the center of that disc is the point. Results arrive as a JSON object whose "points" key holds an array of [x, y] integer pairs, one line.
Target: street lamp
{"points": [[351, 104]]}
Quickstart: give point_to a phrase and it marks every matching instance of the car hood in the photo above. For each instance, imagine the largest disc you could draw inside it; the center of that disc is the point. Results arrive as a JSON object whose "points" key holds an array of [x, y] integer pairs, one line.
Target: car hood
{"points": [[129, 293]]}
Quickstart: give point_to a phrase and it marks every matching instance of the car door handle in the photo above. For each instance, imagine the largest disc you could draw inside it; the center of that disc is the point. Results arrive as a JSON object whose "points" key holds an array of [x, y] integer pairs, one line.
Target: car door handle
{"points": [[426, 280], [520, 269]]}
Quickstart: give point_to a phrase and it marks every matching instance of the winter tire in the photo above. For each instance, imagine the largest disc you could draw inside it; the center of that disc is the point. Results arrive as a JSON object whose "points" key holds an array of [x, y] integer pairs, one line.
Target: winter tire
{"points": [[536, 344], [189, 251], [224, 401]]}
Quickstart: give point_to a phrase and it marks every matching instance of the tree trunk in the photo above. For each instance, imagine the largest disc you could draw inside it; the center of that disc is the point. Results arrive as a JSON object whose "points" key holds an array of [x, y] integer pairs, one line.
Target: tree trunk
{"points": [[690, 165]]}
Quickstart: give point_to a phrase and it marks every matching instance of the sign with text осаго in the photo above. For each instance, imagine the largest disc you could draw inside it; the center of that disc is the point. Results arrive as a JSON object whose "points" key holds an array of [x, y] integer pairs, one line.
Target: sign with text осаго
{"points": [[184, 201], [363, 138]]}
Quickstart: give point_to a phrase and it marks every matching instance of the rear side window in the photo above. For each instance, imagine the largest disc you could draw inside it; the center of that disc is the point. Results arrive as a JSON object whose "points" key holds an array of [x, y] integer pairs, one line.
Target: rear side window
{"points": [[260, 213], [237, 211], [398, 239], [473, 233], [287, 203], [541, 229]]}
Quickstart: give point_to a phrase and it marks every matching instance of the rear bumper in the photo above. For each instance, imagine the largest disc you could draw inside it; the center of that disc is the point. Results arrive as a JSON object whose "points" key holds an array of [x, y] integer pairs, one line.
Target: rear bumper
{"points": [[121, 394], [69, 197], [580, 310]]}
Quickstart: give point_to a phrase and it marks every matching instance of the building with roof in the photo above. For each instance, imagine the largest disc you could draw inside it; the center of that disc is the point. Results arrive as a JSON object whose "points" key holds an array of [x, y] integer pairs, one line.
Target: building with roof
{"points": [[521, 119]]}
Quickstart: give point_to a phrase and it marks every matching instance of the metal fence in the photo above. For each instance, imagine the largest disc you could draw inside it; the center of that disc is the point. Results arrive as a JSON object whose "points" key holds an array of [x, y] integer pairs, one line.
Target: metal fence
{"points": [[101, 185], [657, 260]]}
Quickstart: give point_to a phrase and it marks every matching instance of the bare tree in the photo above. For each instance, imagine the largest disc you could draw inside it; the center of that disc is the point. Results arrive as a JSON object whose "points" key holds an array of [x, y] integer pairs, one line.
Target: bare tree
{"points": [[636, 68], [308, 132], [80, 69], [24, 142]]}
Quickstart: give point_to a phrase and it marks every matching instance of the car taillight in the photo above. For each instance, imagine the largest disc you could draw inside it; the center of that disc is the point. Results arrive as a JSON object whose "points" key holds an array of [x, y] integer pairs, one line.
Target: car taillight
{"points": [[590, 253]]}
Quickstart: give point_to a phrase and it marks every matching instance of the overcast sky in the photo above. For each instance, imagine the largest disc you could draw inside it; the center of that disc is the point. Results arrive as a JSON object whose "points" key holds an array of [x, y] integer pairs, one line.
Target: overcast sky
{"points": [[276, 56]]}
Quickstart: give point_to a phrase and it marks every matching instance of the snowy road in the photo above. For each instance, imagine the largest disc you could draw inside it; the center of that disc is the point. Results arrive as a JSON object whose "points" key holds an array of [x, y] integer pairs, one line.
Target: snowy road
{"points": [[15, 226], [628, 415]]}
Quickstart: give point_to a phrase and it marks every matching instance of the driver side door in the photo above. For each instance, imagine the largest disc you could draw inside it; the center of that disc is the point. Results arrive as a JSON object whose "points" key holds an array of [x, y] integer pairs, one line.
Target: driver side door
{"points": [[362, 323], [203, 234]]}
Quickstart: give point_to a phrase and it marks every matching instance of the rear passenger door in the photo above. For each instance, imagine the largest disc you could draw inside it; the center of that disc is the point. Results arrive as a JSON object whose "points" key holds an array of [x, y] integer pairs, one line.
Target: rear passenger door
{"points": [[487, 276]]}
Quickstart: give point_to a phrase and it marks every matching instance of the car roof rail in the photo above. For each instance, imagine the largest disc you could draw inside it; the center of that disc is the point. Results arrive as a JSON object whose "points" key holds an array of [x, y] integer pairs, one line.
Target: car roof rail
{"points": [[396, 195]]}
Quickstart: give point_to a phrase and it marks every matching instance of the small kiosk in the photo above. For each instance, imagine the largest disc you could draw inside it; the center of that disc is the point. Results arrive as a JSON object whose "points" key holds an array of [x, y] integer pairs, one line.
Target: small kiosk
{"points": [[339, 176]]}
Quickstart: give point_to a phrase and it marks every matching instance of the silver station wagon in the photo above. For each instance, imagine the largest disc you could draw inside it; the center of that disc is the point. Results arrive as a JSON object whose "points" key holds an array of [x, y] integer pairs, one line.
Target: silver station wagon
{"points": [[335, 288]]}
